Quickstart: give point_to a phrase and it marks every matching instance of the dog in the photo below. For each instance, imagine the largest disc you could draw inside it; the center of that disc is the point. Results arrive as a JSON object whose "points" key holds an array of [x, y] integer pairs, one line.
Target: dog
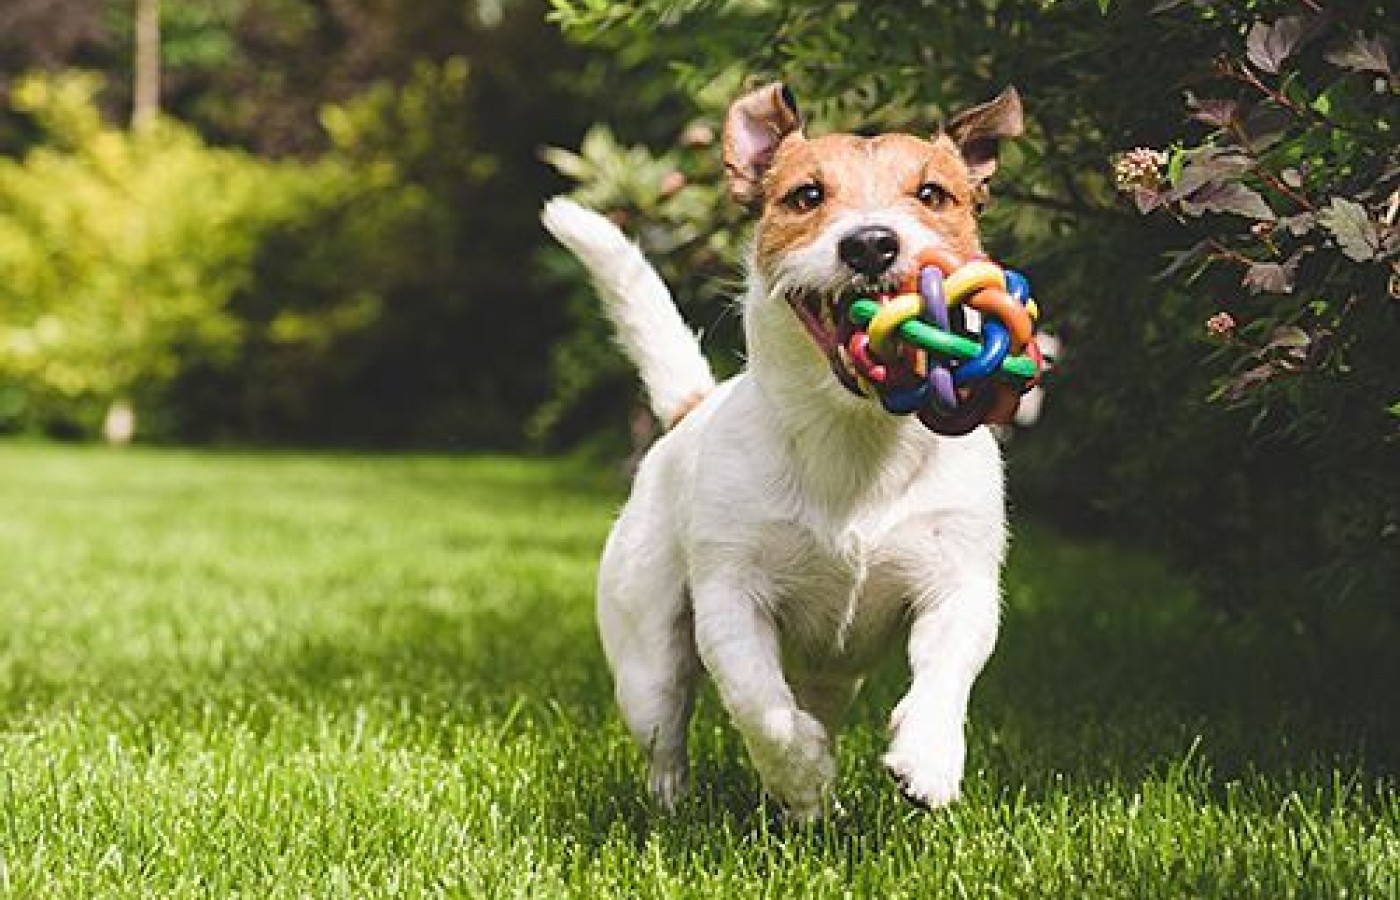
{"points": [[784, 532]]}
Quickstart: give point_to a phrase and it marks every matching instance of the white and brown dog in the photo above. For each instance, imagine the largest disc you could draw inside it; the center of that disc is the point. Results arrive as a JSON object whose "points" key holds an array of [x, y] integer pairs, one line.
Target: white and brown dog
{"points": [[785, 531]]}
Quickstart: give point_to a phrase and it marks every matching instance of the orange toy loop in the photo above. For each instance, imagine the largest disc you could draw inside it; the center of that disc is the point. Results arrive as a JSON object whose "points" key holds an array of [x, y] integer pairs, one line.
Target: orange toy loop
{"points": [[1001, 305]]}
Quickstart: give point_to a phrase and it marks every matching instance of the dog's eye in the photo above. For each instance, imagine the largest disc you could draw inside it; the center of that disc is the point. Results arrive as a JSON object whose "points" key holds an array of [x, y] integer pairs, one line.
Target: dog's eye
{"points": [[805, 197], [932, 195]]}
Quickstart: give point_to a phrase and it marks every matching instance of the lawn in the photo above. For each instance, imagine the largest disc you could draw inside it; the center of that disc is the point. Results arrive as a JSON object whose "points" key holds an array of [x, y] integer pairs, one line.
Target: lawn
{"points": [[297, 675]]}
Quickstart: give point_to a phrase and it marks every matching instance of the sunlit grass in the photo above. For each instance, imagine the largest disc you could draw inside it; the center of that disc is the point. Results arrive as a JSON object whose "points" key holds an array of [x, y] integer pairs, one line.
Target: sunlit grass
{"points": [[291, 675]]}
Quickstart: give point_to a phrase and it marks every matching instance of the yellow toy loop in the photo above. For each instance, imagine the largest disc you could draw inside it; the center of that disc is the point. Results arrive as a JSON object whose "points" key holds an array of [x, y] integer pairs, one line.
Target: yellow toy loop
{"points": [[972, 278], [886, 323]]}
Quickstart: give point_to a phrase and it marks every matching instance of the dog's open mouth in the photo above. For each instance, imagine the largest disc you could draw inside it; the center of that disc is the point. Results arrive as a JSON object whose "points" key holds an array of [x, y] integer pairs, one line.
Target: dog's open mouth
{"points": [[826, 319]]}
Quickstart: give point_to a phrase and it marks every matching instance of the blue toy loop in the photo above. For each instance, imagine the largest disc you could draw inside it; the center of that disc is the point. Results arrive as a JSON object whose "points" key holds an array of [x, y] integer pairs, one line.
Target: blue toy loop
{"points": [[996, 343], [1017, 286], [915, 358]]}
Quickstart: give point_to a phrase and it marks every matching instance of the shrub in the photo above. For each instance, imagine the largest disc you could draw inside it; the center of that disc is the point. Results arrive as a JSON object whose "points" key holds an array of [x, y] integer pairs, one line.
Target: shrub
{"points": [[355, 298], [1288, 186], [122, 255]]}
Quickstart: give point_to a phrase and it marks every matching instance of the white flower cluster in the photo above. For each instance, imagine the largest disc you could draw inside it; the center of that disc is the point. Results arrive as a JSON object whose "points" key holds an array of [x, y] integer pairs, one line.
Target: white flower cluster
{"points": [[1139, 167]]}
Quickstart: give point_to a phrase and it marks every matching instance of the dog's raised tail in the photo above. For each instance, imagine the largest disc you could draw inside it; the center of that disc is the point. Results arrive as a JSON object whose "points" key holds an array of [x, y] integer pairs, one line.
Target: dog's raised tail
{"points": [[650, 329]]}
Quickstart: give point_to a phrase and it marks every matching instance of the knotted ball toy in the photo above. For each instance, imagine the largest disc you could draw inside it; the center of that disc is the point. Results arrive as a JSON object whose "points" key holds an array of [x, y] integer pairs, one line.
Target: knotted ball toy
{"points": [[913, 351]]}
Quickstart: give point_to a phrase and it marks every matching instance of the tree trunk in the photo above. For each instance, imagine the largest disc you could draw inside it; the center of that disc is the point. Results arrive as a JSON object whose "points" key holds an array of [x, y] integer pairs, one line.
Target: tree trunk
{"points": [[146, 93]]}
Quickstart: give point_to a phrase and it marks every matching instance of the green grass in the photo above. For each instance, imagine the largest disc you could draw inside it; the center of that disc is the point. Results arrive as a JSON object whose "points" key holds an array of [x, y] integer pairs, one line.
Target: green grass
{"points": [[291, 675]]}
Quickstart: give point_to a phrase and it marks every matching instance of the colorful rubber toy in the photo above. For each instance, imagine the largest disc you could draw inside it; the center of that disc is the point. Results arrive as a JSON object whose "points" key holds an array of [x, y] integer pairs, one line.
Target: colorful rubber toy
{"points": [[914, 352]]}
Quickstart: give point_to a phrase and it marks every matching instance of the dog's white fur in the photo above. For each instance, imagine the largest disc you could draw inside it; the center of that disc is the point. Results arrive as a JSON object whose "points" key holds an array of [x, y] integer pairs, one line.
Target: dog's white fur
{"points": [[783, 534]]}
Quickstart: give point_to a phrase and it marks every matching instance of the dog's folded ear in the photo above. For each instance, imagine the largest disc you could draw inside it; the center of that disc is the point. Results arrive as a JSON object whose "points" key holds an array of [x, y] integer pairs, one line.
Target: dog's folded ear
{"points": [[979, 131], [753, 129]]}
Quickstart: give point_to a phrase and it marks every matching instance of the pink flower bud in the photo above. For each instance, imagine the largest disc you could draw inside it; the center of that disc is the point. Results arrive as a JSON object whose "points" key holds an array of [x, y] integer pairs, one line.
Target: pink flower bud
{"points": [[698, 135], [673, 182], [1220, 324]]}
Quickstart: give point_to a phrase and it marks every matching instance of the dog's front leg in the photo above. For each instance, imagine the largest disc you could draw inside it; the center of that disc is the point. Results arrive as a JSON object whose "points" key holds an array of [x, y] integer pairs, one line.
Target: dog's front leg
{"points": [[738, 643], [950, 639]]}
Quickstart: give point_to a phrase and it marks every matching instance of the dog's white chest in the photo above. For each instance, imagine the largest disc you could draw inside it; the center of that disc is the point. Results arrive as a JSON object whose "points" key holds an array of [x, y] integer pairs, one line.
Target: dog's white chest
{"points": [[832, 602]]}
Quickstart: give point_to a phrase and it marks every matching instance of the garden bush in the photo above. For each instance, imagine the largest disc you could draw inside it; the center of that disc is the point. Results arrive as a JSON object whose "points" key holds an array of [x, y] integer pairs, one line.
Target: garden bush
{"points": [[366, 296], [345, 207], [120, 254]]}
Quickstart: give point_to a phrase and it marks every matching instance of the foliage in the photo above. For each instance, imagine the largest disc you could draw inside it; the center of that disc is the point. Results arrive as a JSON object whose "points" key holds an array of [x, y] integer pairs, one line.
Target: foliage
{"points": [[375, 289], [879, 65], [121, 255], [675, 201], [343, 292], [1130, 441], [1295, 189], [1289, 186], [282, 675]]}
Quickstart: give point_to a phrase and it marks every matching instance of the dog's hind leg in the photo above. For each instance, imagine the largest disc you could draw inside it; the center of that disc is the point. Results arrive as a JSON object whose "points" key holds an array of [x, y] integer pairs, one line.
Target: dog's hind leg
{"points": [[646, 625]]}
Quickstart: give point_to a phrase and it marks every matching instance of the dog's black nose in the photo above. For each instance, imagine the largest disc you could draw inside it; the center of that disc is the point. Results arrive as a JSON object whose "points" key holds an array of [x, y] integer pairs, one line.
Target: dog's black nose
{"points": [[870, 251]]}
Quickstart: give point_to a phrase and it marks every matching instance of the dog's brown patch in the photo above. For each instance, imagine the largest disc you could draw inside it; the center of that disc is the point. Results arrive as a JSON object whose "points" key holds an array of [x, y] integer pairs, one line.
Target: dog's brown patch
{"points": [[684, 409], [860, 173]]}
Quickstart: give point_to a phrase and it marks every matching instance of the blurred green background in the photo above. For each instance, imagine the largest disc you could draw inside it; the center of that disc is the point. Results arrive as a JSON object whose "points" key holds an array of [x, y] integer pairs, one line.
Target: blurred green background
{"points": [[313, 223]]}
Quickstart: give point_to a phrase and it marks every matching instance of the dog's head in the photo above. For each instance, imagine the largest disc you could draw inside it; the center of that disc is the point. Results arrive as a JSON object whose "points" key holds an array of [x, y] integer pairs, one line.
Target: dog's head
{"points": [[841, 214]]}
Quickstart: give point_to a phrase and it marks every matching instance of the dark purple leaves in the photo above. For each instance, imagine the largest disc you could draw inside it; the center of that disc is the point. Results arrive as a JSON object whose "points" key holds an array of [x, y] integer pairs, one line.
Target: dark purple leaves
{"points": [[1272, 278], [1269, 46], [1363, 54], [1209, 182], [1265, 124], [1208, 165], [1228, 197], [1300, 224], [1355, 232], [1146, 199], [1213, 110]]}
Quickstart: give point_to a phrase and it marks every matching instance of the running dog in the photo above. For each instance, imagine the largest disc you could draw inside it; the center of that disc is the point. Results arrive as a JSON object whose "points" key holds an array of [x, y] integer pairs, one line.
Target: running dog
{"points": [[785, 531]]}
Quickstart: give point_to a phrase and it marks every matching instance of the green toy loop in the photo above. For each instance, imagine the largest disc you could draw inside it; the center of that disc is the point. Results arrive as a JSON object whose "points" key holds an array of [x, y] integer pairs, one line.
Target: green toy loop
{"points": [[941, 342]]}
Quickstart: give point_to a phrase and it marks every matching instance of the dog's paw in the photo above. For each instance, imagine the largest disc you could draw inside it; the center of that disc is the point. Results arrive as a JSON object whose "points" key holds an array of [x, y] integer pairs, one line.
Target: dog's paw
{"points": [[925, 787], [669, 782], [794, 760], [928, 772]]}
